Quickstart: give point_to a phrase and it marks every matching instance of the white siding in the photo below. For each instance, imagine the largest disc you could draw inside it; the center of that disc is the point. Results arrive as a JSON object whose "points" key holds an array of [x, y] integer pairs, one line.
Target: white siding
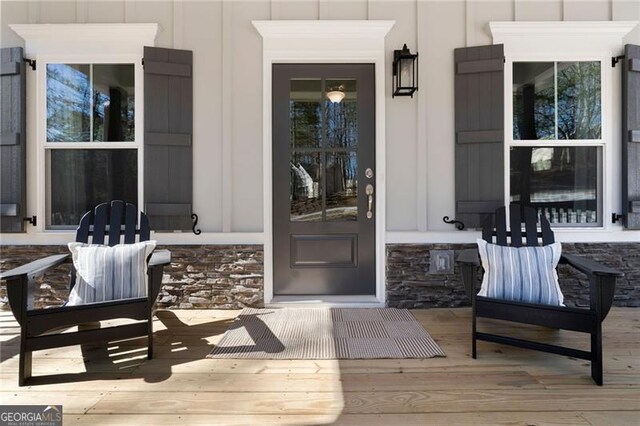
{"points": [[228, 93]]}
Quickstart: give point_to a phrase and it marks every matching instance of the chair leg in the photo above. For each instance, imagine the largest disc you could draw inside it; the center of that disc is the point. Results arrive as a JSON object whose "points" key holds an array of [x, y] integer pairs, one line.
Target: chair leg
{"points": [[596, 354], [24, 368], [150, 337], [473, 336]]}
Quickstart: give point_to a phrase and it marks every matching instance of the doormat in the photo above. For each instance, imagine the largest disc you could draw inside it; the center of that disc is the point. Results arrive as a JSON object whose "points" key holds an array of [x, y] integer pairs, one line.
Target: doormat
{"points": [[321, 333]]}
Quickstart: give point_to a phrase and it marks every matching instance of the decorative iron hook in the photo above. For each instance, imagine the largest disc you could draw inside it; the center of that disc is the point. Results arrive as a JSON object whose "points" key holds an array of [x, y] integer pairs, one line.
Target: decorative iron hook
{"points": [[32, 220], [457, 223], [194, 219], [615, 217]]}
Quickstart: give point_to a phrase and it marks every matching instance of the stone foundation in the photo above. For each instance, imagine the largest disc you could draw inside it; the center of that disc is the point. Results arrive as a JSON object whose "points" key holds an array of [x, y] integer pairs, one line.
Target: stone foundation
{"points": [[231, 276], [208, 276], [410, 285]]}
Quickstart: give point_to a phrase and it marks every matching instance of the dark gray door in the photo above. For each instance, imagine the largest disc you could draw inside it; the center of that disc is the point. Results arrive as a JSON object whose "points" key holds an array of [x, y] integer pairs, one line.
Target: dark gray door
{"points": [[324, 179]]}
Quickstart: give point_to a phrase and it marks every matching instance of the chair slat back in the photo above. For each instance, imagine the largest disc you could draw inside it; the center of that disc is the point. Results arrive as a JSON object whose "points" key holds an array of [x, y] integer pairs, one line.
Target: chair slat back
{"points": [[114, 219], [517, 216]]}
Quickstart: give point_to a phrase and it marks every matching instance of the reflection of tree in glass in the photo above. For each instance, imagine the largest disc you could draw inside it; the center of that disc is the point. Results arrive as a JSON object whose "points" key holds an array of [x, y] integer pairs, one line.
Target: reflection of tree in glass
{"points": [[579, 106], [68, 103], [305, 124]]}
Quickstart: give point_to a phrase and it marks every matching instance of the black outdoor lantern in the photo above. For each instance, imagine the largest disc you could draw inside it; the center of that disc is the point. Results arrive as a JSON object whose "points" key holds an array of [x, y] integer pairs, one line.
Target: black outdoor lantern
{"points": [[405, 72]]}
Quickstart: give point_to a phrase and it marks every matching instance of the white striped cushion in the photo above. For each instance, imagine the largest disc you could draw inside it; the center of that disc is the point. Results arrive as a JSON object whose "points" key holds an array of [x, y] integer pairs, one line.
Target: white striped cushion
{"points": [[524, 274], [109, 273]]}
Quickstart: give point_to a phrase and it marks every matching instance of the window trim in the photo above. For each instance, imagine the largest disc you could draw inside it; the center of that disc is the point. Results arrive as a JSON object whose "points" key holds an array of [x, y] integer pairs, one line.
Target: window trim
{"points": [[605, 174], [568, 41], [90, 43], [43, 147]]}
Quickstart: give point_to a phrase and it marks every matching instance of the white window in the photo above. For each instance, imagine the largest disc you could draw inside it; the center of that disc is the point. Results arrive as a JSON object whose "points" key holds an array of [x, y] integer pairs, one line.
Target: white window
{"points": [[88, 123], [560, 143], [90, 147], [556, 144]]}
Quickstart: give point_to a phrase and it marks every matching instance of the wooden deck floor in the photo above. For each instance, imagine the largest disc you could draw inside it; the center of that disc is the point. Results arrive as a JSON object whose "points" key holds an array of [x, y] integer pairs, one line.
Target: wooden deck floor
{"points": [[116, 384]]}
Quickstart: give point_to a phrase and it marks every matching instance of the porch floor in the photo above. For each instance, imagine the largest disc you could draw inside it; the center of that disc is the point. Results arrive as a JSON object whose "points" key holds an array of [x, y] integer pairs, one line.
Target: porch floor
{"points": [[116, 384]]}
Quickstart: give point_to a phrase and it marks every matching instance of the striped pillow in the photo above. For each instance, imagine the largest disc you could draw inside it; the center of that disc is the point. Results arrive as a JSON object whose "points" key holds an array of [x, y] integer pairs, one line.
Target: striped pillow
{"points": [[523, 274], [109, 273]]}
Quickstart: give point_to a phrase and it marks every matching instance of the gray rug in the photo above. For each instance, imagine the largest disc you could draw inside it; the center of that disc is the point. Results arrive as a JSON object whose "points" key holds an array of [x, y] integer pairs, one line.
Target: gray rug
{"points": [[321, 333]]}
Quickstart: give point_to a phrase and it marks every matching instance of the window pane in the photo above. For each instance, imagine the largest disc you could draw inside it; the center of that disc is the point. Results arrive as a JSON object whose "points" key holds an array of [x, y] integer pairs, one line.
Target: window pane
{"points": [[68, 103], [82, 178], [579, 104], [342, 187], [561, 182], [306, 191], [305, 115], [342, 119], [533, 100], [114, 102]]}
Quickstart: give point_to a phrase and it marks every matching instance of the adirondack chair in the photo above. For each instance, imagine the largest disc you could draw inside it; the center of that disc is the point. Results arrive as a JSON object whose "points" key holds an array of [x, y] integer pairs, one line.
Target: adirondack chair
{"points": [[602, 280], [113, 220]]}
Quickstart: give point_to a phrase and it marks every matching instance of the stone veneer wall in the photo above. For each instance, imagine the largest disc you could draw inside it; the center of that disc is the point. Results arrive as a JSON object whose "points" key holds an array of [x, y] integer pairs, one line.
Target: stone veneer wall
{"points": [[207, 276], [231, 276], [410, 285]]}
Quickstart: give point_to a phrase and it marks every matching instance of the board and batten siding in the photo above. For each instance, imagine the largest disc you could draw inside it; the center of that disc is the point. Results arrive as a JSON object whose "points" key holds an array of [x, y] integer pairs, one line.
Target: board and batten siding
{"points": [[227, 78]]}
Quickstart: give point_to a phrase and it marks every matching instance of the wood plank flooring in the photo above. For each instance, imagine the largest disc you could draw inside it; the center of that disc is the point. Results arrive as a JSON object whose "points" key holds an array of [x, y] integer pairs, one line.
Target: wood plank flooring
{"points": [[116, 384]]}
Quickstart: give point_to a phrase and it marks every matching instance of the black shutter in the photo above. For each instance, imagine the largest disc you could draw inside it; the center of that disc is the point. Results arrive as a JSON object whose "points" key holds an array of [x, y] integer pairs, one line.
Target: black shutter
{"points": [[168, 128], [631, 137], [479, 126], [12, 140]]}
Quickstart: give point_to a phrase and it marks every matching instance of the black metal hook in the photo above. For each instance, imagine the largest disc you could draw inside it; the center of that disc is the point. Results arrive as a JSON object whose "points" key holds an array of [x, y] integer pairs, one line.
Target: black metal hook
{"points": [[30, 62], [457, 223], [32, 220], [615, 217], [194, 219], [615, 60]]}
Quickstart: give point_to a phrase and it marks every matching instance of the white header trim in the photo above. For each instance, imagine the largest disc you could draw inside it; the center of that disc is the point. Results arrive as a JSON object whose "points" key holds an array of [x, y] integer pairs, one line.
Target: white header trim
{"points": [[86, 38], [323, 29], [547, 38]]}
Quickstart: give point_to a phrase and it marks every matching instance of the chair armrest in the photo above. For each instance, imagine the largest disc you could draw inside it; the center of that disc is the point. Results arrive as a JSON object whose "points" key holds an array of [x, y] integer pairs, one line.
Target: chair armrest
{"points": [[160, 257], [36, 267], [469, 257], [589, 267]]}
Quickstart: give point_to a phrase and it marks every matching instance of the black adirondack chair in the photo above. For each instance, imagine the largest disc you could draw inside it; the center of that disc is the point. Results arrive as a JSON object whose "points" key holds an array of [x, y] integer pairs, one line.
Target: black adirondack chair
{"points": [[602, 282], [112, 220]]}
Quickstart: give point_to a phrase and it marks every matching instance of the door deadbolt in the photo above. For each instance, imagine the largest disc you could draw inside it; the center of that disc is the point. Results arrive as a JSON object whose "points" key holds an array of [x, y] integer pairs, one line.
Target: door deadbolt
{"points": [[368, 173]]}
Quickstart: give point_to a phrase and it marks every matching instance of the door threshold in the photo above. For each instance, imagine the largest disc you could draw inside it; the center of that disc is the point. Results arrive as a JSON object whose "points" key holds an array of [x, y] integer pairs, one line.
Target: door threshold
{"points": [[364, 301]]}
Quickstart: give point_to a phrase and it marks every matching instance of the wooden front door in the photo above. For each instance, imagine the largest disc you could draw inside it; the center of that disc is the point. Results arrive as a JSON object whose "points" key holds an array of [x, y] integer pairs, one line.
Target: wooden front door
{"points": [[324, 179]]}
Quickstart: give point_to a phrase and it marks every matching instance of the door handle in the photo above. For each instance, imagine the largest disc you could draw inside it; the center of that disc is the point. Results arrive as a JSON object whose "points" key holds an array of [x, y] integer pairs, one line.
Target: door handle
{"points": [[369, 191]]}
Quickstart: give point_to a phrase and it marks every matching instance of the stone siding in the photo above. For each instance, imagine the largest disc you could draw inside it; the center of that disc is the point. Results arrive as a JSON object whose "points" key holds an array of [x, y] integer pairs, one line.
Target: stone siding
{"points": [[207, 276], [410, 285], [231, 276]]}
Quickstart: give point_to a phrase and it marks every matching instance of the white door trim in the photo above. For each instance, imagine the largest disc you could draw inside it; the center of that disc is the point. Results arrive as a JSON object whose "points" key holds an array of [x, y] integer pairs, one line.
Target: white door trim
{"points": [[324, 42]]}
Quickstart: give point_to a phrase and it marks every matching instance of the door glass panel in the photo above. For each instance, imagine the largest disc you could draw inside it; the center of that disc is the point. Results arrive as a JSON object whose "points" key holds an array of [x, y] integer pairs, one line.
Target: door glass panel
{"points": [[305, 115], [306, 191], [342, 119], [342, 187], [533, 100], [579, 102]]}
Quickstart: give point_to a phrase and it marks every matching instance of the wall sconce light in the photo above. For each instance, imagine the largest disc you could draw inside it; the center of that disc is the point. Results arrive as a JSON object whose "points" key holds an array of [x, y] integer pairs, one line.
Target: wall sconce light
{"points": [[405, 72], [336, 94]]}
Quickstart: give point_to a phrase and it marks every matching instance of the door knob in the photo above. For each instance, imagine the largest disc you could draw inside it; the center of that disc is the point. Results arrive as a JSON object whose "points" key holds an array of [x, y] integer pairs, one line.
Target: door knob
{"points": [[369, 191]]}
